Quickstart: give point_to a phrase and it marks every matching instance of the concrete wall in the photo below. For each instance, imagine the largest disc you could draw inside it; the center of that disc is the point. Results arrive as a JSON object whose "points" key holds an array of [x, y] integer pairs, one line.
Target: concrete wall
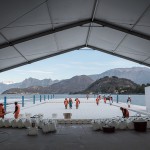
{"points": [[147, 98]]}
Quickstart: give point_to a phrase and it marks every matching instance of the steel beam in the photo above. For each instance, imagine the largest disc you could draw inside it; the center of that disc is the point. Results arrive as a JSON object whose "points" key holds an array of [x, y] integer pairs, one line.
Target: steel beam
{"points": [[41, 58], [44, 33], [93, 15], [72, 25], [118, 55], [122, 29]]}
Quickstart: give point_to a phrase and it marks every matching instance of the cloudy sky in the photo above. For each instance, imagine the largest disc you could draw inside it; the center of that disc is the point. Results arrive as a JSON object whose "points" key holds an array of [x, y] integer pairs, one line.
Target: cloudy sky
{"points": [[67, 65]]}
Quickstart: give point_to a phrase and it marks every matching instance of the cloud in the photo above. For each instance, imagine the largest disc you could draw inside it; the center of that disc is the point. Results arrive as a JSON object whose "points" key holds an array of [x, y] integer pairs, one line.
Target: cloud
{"points": [[76, 63], [63, 65], [34, 71]]}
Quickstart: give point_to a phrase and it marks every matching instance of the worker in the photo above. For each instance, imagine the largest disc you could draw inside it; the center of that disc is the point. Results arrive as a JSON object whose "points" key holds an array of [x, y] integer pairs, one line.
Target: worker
{"points": [[70, 103], [77, 103], [2, 111], [97, 100], [17, 110], [110, 100], [125, 112], [129, 101], [99, 97], [104, 99], [66, 103], [87, 96]]}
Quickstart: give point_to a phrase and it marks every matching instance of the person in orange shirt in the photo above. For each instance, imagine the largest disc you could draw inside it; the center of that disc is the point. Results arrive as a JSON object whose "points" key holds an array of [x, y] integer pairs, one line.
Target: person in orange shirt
{"points": [[97, 100], [66, 103], [2, 111], [77, 103], [17, 110], [125, 112]]}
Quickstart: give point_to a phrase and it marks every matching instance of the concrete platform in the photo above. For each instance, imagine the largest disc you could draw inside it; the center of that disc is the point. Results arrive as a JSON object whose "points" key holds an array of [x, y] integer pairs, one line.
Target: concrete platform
{"points": [[74, 137], [87, 109]]}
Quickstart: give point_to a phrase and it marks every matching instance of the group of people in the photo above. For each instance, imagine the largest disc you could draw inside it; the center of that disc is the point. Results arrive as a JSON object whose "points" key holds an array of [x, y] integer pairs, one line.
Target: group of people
{"points": [[110, 98], [67, 102], [70, 102], [125, 111], [16, 112]]}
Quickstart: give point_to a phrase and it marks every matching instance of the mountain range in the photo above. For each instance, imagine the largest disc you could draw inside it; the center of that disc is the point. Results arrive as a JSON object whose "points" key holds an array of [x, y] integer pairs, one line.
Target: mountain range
{"points": [[112, 85], [139, 75], [75, 84], [27, 83]]}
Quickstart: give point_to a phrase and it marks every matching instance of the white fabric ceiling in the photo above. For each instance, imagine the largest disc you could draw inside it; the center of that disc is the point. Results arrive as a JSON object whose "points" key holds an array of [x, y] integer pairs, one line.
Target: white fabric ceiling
{"points": [[37, 29]]}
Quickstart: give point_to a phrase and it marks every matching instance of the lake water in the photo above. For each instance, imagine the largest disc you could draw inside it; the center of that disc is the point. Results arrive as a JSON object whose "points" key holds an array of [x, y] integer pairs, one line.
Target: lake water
{"points": [[136, 99]]}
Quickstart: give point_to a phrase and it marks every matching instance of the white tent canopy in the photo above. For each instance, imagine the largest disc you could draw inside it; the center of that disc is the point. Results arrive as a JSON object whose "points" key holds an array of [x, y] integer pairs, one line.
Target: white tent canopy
{"points": [[37, 29]]}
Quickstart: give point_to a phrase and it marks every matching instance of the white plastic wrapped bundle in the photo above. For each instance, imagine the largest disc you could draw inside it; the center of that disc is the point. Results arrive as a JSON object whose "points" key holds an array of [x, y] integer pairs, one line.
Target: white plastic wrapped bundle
{"points": [[54, 115], [148, 124], [21, 122], [95, 126], [106, 121], [21, 116], [40, 116], [122, 125], [67, 122], [40, 123], [7, 122], [146, 118], [102, 124], [140, 119], [80, 121], [52, 127], [27, 123], [61, 121], [85, 121], [88, 121], [14, 123], [28, 115], [36, 121], [56, 122], [74, 121], [1, 122], [93, 121], [45, 127], [113, 123], [32, 131], [119, 119], [130, 124]]}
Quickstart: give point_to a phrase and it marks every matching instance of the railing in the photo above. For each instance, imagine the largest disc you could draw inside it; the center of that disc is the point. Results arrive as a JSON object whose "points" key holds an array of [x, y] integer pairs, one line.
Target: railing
{"points": [[23, 99]]}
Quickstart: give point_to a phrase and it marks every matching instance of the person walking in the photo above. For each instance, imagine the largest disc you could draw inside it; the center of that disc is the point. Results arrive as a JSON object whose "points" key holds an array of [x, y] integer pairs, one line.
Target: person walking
{"points": [[77, 103], [66, 103], [2, 111], [129, 101], [104, 97], [17, 110], [87, 96], [70, 103], [110, 100], [97, 100], [99, 96]]}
